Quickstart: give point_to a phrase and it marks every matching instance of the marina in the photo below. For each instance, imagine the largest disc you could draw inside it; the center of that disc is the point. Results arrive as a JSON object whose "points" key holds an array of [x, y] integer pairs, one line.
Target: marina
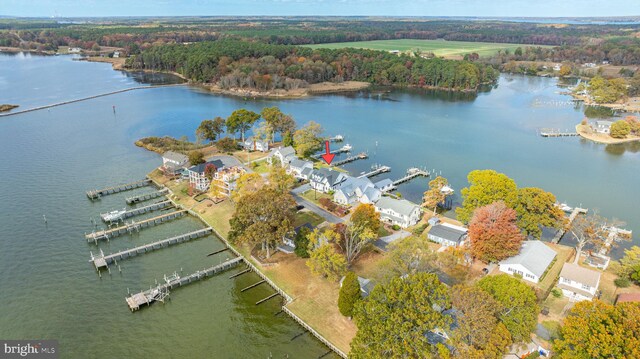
{"points": [[103, 261], [133, 226], [161, 291], [96, 194]]}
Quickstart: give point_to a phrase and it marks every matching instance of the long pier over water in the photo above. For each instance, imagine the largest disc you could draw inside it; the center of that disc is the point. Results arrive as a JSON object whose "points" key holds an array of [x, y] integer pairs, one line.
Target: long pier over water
{"points": [[97, 193], [141, 210], [160, 292], [102, 261], [146, 196], [86, 98]]}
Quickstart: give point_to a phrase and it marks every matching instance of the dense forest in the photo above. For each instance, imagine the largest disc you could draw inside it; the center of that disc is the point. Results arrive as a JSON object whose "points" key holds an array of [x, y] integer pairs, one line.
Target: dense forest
{"points": [[617, 51], [246, 64]]}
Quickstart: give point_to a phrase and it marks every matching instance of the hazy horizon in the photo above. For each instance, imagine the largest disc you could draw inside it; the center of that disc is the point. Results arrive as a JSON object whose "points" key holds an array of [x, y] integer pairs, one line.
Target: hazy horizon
{"points": [[388, 8]]}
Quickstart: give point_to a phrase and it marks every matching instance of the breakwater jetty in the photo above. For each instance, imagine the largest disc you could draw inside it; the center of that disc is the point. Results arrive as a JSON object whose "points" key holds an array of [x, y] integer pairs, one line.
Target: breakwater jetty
{"points": [[86, 98]]}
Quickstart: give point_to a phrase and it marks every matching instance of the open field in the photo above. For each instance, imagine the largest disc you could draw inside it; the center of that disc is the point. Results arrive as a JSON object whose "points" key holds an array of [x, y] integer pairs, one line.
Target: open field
{"points": [[438, 47]]}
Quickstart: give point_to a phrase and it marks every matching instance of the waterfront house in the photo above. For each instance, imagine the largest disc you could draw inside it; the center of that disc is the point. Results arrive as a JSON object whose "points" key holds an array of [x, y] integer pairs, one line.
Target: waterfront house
{"points": [[116, 54], [352, 190], [448, 235], [398, 211], [173, 163], [557, 67], [370, 195], [197, 177], [602, 126], [74, 50], [283, 154], [366, 285], [326, 180], [297, 167], [253, 144], [225, 178], [384, 185], [578, 283], [532, 261]]}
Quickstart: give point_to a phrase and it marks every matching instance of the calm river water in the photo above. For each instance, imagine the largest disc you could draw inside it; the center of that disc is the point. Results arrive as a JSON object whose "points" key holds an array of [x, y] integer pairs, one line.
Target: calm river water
{"points": [[50, 157]]}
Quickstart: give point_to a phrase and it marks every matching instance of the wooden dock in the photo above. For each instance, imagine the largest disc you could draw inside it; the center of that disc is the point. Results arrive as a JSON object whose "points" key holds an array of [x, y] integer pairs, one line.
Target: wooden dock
{"points": [[360, 156], [131, 227], [411, 174], [574, 213], [146, 196], [336, 138], [376, 171], [345, 148], [161, 291], [97, 193], [103, 261], [552, 132], [140, 210]]}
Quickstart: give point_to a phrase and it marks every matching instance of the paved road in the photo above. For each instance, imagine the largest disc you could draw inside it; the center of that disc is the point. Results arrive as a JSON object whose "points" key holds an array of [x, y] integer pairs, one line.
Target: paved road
{"points": [[312, 206], [384, 241]]}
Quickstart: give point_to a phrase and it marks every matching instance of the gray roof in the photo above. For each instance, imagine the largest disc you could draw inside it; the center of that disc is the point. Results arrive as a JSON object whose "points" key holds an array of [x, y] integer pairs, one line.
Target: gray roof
{"points": [[535, 256], [285, 151], [306, 172], [604, 123], [200, 168], [401, 206], [448, 233], [175, 156], [325, 173], [298, 163], [384, 183], [372, 192], [580, 274]]}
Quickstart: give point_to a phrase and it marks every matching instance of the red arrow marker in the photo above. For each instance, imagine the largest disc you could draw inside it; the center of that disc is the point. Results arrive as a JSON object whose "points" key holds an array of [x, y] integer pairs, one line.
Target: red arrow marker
{"points": [[328, 156]]}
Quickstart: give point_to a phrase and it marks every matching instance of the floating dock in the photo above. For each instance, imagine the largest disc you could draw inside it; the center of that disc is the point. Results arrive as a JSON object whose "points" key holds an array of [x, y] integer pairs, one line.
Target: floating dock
{"points": [[160, 292], [97, 193], [552, 132], [140, 210], [574, 213], [360, 156], [376, 171], [146, 196], [102, 261], [411, 174], [128, 228]]}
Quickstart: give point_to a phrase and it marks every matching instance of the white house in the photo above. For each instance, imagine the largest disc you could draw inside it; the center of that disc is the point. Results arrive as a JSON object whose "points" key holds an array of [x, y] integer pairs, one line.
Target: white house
{"points": [[297, 168], [325, 180], [603, 126], [449, 235], [283, 154], [74, 50], [370, 195], [398, 211], [532, 261], [173, 162], [557, 67], [252, 144], [116, 54], [578, 283], [289, 244], [352, 191]]}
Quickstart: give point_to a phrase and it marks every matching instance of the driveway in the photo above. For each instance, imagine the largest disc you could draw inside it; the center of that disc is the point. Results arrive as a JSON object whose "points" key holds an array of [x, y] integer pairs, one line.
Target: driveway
{"points": [[383, 242], [329, 217]]}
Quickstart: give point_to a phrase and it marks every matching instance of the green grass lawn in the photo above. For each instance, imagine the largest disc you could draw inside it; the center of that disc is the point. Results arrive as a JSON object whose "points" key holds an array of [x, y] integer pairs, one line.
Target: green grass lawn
{"points": [[315, 197], [438, 47], [307, 217], [261, 167]]}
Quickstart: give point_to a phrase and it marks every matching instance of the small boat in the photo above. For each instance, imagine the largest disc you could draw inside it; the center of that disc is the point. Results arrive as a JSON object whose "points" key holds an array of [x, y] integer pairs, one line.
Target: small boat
{"points": [[565, 207], [447, 190], [346, 147], [113, 216]]}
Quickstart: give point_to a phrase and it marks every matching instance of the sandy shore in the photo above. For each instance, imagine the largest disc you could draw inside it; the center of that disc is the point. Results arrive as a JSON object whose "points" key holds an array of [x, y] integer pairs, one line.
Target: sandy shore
{"points": [[586, 132]]}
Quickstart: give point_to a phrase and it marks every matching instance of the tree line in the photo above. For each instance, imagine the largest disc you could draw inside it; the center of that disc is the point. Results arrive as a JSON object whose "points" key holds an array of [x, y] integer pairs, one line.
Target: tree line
{"points": [[256, 65]]}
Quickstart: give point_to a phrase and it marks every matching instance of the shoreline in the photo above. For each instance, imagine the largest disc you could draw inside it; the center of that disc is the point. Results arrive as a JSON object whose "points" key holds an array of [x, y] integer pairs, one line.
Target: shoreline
{"points": [[314, 89], [630, 105], [602, 138]]}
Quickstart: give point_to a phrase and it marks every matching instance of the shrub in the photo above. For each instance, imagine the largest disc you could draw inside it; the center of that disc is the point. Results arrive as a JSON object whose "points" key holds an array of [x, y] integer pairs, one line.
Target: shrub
{"points": [[395, 227], [622, 282], [557, 293], [418, 230], [196, 157], [620, 129], [227, 144]]}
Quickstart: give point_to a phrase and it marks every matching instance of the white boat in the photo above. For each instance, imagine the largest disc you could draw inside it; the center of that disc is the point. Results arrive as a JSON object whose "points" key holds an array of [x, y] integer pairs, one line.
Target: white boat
{"points": [[113, 216], [565, 207], [346, 147], [446, 190]]}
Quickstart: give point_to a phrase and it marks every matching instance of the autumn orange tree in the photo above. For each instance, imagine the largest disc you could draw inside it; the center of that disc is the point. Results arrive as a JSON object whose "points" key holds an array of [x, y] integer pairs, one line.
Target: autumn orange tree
{"points": [[493, 233], [600, 330]]}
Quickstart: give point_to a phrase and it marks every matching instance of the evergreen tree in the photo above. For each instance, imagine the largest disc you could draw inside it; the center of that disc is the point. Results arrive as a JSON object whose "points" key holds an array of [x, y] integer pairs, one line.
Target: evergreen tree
{"points": [[350, 293]]}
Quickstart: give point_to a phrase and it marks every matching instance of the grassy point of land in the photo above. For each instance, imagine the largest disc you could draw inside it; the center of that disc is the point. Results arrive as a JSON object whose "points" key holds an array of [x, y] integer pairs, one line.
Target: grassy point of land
{"points": [[449, 49]]}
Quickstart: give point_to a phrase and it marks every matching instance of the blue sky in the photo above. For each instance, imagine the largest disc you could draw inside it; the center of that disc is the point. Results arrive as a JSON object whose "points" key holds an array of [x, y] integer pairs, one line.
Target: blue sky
{"points": [[539, 8]]}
